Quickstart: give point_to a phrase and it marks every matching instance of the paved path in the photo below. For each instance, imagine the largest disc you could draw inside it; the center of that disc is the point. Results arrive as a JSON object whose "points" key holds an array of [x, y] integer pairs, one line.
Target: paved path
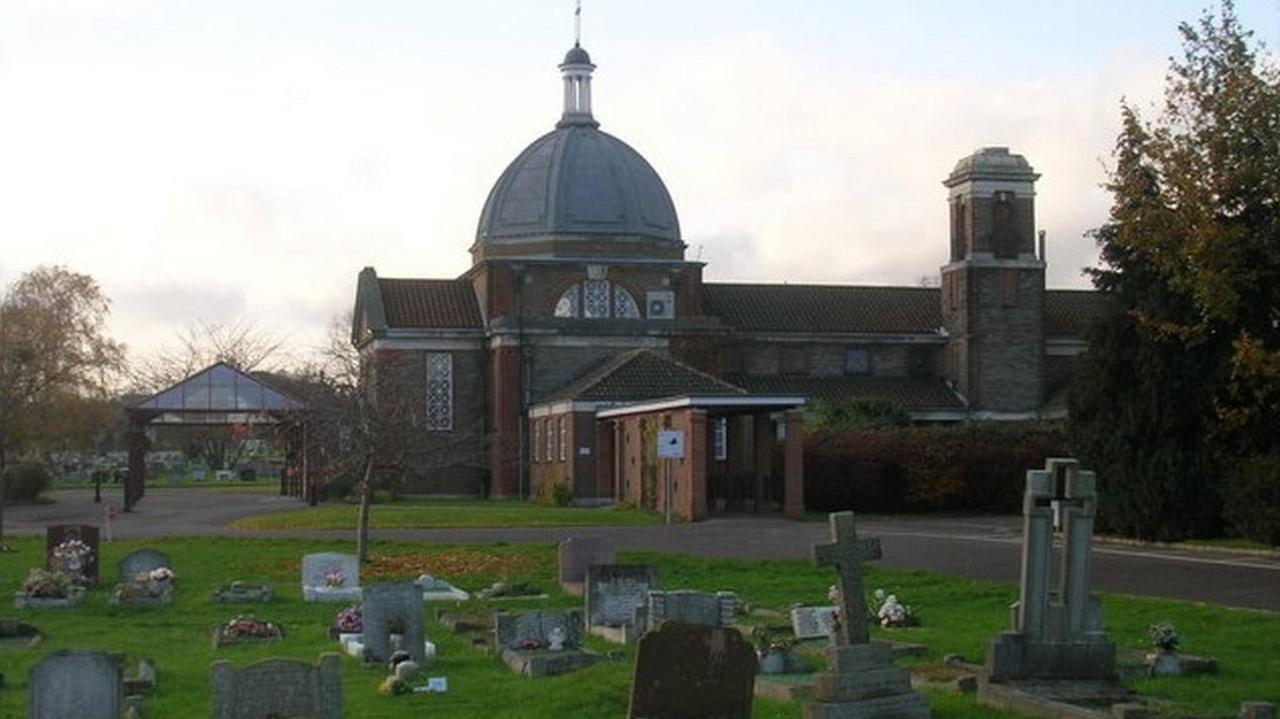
{"points": [[982, 547]]}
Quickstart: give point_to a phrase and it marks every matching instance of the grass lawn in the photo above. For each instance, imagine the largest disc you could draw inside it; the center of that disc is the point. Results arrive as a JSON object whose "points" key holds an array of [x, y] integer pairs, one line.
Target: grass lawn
{"points": [[451, 513], [958, 616]]}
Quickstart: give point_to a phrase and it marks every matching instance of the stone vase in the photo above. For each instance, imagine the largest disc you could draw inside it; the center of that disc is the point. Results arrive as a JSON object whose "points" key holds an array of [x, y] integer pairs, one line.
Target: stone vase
{"points": [[1164, 664], [773, 661]]}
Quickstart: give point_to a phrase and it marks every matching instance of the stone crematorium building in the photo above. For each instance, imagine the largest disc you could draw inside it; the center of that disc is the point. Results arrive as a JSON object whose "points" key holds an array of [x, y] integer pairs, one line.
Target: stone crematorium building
{"points": [[581, 331]]}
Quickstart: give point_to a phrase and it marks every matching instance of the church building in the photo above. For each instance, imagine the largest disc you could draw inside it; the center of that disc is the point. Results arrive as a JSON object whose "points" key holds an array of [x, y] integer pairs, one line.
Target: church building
{"points": [[582, 334]]}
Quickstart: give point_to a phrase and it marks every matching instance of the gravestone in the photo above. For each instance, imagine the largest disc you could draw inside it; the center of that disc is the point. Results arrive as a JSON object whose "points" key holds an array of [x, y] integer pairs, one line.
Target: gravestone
{"points": [[860, 680], [393, 606], [17, 635], [142, 561], [692, 671], [87, 533], [316, 566], [614, 593], [438, 590], [577, 555], [278, 688], [84, 685], [813, 622], [1057, 630], [242, 593], [690, 607], [526, 642]]}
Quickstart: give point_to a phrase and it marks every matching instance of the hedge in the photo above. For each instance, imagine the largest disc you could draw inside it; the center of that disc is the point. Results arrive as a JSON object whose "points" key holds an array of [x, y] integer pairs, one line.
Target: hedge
{"points": [[24, 481], [972, 466]]}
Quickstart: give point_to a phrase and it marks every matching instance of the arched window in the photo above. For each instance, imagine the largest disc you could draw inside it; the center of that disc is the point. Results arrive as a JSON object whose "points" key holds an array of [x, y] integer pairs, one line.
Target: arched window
{"points": [[597, 299], [568, 304], [624, 305]]}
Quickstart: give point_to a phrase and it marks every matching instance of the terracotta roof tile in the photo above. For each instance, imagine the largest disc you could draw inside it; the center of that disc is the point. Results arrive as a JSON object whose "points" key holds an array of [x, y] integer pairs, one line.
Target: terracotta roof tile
{"points": [[444, 304], [824, 308], [642, 375], [908, 393]]}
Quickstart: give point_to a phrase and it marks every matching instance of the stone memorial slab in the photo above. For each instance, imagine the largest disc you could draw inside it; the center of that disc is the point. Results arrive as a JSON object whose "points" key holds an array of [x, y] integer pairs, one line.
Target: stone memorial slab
{"points": [[330, 577], [242, 593], [813, 622], [393, 608], [142, 561], [577, 555], [692, 671], [438, 590], [1057, 630], [541, 643], [84, 685], [275, 688], [16, 635], [691, 607], [56, 534], [613, 595]]}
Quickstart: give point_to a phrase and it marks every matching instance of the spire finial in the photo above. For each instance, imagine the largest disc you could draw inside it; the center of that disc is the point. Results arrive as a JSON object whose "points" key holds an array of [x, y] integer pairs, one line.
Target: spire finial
{"points": [[577, 24]]}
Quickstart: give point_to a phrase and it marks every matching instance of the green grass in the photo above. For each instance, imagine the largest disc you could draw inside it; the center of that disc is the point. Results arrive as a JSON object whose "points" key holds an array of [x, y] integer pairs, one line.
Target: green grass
{"points": [[958, 616], [451, 514]]}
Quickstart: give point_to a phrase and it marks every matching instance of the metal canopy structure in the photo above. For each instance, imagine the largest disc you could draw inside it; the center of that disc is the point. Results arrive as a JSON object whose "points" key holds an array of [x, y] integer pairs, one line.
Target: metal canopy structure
{"points": [[221, 395]]}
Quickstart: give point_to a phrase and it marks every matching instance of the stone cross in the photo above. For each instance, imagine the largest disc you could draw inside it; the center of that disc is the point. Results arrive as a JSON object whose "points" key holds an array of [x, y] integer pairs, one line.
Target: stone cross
{"points": [[847, 553]]}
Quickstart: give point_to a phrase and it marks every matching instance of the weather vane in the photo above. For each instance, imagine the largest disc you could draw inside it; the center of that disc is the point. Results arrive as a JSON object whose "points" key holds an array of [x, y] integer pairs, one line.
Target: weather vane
{"points": [[577, 24]]}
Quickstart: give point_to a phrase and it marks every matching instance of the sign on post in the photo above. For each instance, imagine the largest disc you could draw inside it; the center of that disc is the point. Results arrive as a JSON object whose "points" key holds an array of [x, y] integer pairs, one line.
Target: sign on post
{"points": [[670, 444]]}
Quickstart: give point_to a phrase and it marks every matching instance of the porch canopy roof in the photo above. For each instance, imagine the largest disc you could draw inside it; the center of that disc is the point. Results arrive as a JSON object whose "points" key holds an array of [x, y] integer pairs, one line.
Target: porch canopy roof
{"points": [[219, 394], [714, 406]]}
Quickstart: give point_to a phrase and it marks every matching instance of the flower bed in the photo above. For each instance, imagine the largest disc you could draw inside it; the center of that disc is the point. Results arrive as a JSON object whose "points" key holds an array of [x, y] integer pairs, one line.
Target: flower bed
{"points": [[246, 628], [47, 589]]}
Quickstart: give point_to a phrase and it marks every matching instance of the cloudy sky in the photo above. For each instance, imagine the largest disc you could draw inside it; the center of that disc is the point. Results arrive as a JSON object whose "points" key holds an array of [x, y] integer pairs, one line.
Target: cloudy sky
{"points": [[225, 160]]}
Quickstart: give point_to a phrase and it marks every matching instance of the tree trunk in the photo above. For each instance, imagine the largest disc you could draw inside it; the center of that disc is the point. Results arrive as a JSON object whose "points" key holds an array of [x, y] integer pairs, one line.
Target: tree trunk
{"points": [[362, 524]]}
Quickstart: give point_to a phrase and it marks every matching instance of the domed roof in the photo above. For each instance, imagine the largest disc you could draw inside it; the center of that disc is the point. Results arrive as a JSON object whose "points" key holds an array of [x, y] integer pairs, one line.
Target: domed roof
{"points": [[991, 163], [577, 180], [576, 56]]}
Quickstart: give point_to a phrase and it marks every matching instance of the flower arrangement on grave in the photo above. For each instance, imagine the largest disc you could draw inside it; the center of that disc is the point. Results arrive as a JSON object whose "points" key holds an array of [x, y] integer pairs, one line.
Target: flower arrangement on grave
{"points": [[892, 613], [350, 620], [503, 589], [72, 557], [1164, 637], [773, 649], [152, 584], [334, 578], [246, 626], [45, 584]]}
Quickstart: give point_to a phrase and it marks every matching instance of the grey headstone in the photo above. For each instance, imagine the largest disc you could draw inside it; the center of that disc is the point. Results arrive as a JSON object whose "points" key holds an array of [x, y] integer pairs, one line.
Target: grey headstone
{"points": [[314, 567], [515, 631], [1257, 710], [692, 671], [812, 622], [278, 688], [692, 607], [577, 555], [616, 591], [142, 560], [388, 606], [87, 533], [84, 685]]}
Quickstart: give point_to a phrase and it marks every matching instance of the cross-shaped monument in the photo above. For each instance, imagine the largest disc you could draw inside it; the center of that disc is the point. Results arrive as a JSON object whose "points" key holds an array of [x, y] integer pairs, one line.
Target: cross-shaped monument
{"points": [[847, 553]]}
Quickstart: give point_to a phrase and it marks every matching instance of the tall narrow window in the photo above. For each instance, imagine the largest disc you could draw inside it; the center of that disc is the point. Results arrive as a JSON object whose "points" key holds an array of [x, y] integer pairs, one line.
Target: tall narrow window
{"points": [[564, 439], [551, 440], [624, 305], [595, 301], [721, 441], [439, 391], [537, 440]]}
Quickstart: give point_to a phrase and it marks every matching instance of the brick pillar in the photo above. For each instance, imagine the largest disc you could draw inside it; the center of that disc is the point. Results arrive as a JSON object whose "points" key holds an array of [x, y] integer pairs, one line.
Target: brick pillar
{"points": [[763, 440], [505, 457], [794, 456], [604, 459], [697, 455]]}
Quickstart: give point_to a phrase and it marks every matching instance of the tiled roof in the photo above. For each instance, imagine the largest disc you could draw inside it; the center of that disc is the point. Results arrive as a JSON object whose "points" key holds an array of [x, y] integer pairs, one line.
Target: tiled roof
{"points": [[645, 374], [908, 393], [824, 308], [1069, 312], [866, 309], [444, 304]]}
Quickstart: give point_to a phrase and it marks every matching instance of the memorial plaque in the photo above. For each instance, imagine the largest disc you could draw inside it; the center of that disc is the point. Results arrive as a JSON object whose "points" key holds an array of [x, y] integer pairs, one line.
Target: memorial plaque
{"points": [[84, 685], [278, 688], [812, 622], [692, 671]]}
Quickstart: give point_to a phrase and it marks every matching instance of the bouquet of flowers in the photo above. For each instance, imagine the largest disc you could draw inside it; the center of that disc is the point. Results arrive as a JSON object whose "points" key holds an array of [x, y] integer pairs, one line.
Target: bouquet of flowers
{"points": [[892, 613], [160, 574], [350, 620], [44, 584], [334, 578], [1164, 637], [246, 626], [72, 557]]}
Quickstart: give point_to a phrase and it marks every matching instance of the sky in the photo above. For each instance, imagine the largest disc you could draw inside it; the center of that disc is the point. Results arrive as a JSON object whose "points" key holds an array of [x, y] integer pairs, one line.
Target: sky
{"points": [[223, 161]]}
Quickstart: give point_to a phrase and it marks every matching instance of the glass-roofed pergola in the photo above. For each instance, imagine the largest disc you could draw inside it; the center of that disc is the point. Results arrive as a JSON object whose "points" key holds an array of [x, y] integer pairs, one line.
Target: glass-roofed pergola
{"points": [[220, 395]]}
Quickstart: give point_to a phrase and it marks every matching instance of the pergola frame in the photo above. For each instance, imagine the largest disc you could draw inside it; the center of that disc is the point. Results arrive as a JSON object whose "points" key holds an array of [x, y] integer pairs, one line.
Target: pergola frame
{"points": [[210, 398]]}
